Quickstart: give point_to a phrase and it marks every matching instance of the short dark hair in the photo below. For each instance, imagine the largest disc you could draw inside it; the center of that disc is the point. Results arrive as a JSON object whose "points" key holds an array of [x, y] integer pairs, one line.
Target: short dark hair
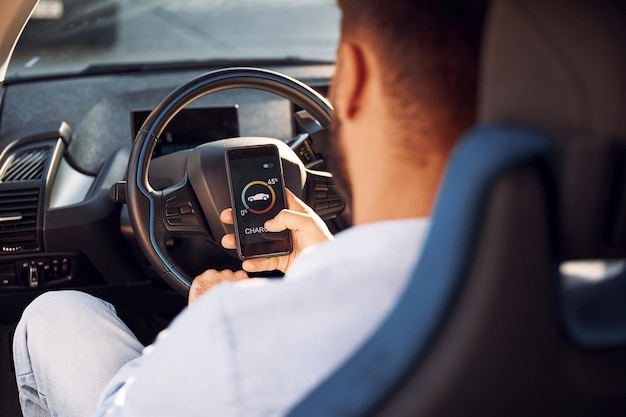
{"points": [[429, 50]]}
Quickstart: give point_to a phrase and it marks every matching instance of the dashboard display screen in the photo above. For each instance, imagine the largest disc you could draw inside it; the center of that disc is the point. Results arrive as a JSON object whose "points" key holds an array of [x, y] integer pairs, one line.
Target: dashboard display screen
{"points": [[191, 127]]}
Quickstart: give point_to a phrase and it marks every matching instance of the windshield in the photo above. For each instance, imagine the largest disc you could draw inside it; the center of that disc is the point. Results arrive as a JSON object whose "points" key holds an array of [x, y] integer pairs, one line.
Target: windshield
{"points": [[74, 36]]}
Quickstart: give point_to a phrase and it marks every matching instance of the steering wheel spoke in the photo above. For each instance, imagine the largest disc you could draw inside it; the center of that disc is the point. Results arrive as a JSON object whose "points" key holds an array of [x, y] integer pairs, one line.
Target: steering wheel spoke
{"points": [[323, 195], [181, 213], [302, 143]]}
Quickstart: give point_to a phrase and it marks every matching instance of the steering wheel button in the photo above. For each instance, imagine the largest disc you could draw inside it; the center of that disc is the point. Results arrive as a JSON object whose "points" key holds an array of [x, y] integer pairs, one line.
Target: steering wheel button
{"points": [[175, 221], [336, 203], [185, 210], [333, 192], [171, 211], [321, 194], [321, 184], [321, 206]]}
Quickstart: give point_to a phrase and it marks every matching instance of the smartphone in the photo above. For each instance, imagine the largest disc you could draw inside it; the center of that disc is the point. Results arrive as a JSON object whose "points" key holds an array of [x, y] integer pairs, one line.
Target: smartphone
{"points": [[257, 193]]}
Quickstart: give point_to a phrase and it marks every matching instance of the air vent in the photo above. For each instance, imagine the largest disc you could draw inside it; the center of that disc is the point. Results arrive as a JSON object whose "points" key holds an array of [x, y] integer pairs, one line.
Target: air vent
{"points": [[18, 218], [26, 165]]}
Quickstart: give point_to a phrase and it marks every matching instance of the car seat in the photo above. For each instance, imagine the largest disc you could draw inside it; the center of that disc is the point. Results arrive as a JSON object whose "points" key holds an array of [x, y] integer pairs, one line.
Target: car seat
{"points": [[517, 305]]}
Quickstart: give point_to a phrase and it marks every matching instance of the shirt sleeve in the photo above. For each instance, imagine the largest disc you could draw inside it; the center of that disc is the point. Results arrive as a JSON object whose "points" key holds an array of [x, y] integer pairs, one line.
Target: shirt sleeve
{"points": [[190, 370]]}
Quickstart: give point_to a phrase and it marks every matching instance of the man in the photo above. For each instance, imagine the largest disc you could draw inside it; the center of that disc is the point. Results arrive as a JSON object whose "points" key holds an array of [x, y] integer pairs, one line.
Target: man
{"points": [[403, 92]]}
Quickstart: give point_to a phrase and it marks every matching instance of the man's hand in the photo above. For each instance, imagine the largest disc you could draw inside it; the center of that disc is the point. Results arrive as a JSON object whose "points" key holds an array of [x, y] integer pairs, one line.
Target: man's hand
{"points": [[307, 229], [210, 278]]}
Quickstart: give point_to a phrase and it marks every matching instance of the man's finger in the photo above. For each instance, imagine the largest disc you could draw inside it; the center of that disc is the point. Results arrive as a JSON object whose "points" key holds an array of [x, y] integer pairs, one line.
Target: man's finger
{"points": [[288, 219], [236, 276], [262, 264], [210, 278], [202, 284], [226, 216], [229, 242], [294, 203]]}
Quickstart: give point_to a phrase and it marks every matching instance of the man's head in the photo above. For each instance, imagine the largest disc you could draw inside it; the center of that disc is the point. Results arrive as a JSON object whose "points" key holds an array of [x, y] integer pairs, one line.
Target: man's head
{"points": [[404, 92]]}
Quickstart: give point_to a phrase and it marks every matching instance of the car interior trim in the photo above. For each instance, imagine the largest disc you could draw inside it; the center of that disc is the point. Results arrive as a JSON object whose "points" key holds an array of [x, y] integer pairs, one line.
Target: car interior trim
{"points": [[70, 186]]}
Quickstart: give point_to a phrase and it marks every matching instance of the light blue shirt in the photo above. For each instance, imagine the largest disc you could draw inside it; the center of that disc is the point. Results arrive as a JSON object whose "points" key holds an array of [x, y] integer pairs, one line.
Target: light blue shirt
{"points": [[255, 348]]}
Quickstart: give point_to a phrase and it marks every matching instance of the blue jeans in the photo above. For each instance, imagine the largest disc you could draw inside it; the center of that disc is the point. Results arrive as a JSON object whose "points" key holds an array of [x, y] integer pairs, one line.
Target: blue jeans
{"points": [[67, 347]]}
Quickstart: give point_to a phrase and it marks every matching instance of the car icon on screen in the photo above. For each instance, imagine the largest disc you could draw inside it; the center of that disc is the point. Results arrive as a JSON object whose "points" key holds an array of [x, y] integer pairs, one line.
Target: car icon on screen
{"points": [[259, 197]]}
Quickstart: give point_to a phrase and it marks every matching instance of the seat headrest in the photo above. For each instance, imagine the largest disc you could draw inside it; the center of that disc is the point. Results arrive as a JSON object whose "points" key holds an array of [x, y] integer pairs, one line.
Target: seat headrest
{"points": [[556, 65]]}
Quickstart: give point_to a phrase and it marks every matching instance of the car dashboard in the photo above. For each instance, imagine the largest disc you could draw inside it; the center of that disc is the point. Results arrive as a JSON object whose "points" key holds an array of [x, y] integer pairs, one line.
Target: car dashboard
{"points": [[65, 143]]}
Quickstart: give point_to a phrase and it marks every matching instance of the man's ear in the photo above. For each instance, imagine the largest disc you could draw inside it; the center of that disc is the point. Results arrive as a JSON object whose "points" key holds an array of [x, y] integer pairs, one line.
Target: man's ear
{"points": [[350, 80]]}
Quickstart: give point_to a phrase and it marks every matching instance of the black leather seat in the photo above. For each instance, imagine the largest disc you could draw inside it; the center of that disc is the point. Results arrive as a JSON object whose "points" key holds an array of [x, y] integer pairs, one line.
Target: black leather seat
{"points": [[492, 322]]}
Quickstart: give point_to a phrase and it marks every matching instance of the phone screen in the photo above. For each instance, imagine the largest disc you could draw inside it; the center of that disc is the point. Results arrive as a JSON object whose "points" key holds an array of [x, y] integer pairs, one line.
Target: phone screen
{"points": [[257, 190]]}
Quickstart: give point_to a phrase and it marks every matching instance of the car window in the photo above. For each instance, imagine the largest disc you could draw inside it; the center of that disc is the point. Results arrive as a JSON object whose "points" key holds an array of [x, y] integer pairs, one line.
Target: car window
{"points": [[72, 36]]}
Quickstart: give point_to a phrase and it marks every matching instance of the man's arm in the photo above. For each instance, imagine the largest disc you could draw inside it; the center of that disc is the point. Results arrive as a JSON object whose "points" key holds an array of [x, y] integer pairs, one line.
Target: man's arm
{"points": [[307, 229], [190, 363]]}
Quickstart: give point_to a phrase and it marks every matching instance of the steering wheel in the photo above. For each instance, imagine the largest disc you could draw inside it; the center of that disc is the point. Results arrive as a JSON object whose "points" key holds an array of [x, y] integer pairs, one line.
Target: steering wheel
{"points": [[191, 208]]}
